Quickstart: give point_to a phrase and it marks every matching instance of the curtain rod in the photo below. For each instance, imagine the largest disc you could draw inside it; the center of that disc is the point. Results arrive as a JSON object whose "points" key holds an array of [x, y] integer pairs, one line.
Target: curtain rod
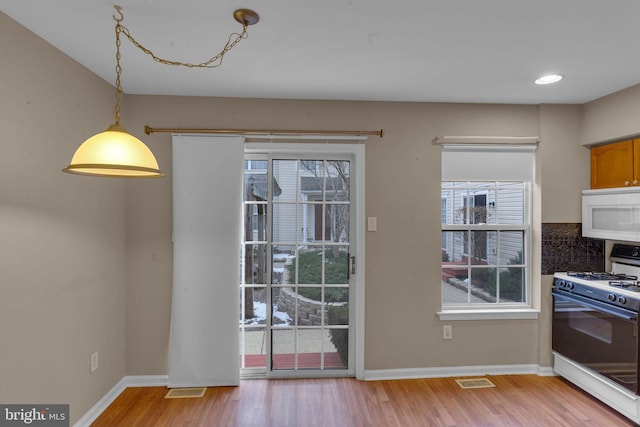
{"points": [[513, 140], [149, 130]]}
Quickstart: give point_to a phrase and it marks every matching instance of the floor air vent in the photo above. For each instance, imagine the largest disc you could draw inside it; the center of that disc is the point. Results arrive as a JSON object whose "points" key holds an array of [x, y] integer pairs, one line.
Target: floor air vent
{"points": [[475, 383], [183, 393]]}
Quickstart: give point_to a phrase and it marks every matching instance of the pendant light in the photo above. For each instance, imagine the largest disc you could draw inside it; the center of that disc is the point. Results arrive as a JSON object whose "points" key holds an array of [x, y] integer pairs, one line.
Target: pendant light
{"points": [[117, 153]]}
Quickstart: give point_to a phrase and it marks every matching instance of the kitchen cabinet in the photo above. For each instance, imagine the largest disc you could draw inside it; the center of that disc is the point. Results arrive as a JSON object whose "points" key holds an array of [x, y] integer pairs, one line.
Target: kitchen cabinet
{"points": [[616, 164]]}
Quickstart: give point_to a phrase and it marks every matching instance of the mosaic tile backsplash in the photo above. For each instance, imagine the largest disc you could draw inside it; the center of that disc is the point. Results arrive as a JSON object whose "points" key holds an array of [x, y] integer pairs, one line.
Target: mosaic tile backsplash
{"points": [[564, 249]]}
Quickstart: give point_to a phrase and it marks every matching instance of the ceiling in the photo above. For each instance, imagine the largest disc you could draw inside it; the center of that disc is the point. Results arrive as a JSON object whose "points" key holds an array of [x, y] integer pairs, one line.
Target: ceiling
{"points": [[487, 51]]}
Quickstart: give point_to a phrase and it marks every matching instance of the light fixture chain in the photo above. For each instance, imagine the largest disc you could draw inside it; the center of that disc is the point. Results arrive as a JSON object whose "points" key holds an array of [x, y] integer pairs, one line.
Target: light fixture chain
{"points": [[214, 62], [115, 152], [116, 108]]}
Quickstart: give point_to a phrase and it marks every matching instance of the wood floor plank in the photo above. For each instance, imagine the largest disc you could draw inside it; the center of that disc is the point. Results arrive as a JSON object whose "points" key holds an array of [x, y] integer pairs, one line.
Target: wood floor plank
{"points": [[517, 400]]}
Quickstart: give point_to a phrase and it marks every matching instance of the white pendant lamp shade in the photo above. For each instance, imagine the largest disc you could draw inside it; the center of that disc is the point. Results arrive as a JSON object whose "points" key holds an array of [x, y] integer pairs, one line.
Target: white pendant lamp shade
{"points": [[114, 152]]}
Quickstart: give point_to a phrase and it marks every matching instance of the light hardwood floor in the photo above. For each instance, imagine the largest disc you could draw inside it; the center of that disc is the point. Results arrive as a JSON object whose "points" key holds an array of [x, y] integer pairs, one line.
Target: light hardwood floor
{"points": [[517, 400]]}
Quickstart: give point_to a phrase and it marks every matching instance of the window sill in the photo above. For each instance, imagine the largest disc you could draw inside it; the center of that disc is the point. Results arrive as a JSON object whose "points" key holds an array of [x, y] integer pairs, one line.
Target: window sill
{"points": [[516, 313]]}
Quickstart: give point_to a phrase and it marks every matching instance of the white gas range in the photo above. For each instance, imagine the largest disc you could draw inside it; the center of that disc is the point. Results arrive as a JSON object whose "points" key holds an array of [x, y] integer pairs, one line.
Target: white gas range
{"points": [[595, 330], [619, 289]]}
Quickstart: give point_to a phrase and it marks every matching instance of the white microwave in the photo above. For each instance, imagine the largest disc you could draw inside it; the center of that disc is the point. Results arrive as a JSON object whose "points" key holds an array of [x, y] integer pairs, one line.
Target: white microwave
{"points": [[611, 213]]}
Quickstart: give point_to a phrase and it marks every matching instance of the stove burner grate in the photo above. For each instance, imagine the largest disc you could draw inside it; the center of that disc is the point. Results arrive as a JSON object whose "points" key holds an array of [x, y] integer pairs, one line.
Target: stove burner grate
{"points": [[597, 275], [629, 285]]}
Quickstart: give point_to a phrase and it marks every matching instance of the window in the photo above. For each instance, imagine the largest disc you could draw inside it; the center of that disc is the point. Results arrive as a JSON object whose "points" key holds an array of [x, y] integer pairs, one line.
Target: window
{"points": [[486, 227], [484, 256]]}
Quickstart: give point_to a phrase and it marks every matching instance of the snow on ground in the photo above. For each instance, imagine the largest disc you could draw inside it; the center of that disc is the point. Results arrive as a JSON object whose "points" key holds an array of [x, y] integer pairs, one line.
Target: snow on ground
{"points": [[260, 311]]}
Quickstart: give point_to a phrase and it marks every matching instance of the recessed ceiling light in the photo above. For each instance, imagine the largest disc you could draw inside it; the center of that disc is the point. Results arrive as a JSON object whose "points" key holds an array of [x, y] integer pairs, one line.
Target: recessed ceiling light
{"points": [[548, 79]]}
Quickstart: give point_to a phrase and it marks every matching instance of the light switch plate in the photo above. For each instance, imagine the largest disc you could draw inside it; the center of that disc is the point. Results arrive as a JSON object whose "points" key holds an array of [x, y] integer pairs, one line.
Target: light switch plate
{"points": [[94, 361]]}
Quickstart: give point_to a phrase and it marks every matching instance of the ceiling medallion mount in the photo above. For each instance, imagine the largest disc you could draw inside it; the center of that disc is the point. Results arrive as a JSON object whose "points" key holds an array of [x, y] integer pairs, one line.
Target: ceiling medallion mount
{"points": [[246, 16]]}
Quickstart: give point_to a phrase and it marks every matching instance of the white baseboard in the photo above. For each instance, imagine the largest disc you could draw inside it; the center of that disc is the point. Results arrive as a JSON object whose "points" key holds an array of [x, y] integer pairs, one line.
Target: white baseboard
{"points": [[107, 399], [456, 371]]}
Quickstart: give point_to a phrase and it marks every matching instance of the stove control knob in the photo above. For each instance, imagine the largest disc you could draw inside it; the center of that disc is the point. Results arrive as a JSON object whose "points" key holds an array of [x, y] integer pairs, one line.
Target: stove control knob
{"points": [[569, 285], [611, 297], [622, 300]]}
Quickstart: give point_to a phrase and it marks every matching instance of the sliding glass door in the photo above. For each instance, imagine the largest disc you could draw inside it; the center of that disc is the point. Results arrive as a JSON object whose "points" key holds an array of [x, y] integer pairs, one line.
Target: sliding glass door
{"points": [[297, 259]]}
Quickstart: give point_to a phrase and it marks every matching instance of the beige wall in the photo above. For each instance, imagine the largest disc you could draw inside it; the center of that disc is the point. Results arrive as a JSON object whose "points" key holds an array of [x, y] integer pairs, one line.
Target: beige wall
{"points": [[563, 163], [69, 244], [403, 192], [62, 240], [612, 117]]}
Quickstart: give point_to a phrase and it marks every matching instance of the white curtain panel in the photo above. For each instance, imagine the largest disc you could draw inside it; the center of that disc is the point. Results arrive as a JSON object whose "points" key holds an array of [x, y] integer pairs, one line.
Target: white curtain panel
{"points": [[207, 200]]}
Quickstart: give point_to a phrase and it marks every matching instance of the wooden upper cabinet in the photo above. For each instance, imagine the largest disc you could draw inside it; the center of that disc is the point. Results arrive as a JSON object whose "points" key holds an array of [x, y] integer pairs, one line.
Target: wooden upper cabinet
{"points": [[636, 162], [616, 164]]}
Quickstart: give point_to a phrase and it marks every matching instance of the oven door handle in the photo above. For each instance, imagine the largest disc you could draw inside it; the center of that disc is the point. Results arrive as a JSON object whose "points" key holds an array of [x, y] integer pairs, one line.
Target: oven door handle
{"points": [[605, 308]]}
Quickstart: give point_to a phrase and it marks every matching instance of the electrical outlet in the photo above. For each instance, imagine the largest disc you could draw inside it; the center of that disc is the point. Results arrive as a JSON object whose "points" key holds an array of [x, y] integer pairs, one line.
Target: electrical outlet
{"points": [[94, 362], [447, 332], [372, 223]]}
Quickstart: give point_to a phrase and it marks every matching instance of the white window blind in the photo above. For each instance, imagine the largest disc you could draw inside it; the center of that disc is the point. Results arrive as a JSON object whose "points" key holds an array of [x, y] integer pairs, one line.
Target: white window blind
{"points": [[207, 198], [482, 162]]}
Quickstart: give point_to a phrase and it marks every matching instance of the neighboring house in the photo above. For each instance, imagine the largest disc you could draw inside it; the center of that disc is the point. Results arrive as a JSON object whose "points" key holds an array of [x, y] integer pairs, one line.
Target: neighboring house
{"points": [[479, 206], [316, 219]]}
